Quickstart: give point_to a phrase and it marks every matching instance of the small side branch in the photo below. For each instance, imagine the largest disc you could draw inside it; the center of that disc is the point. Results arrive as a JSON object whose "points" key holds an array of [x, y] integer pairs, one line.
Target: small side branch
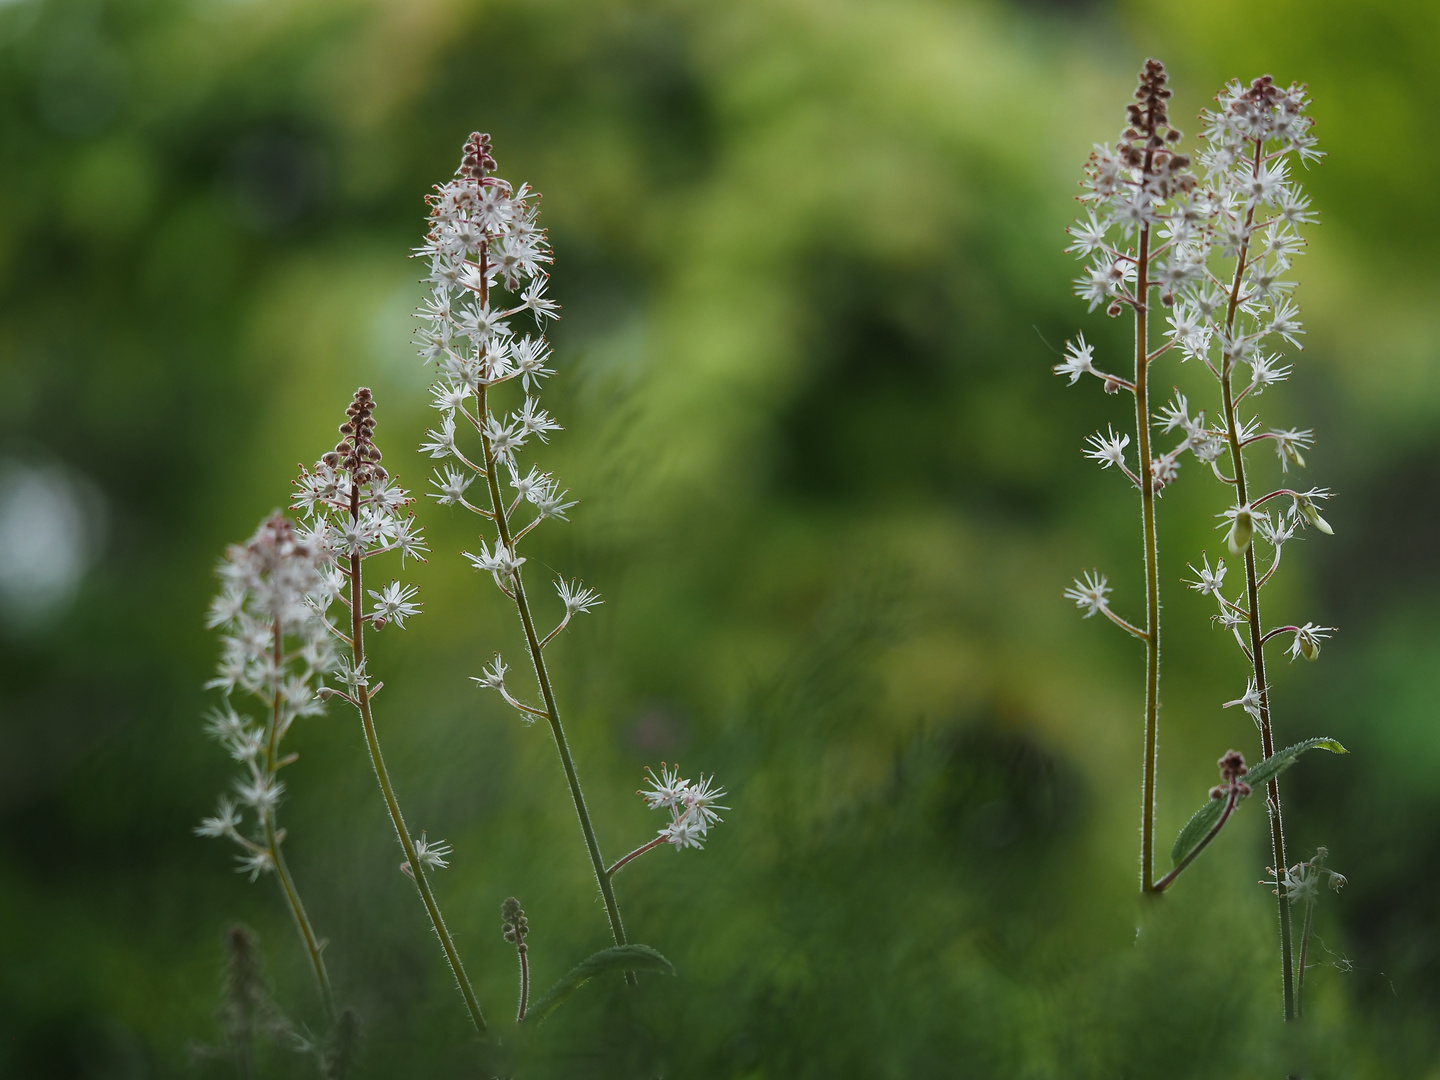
{"points": [[1215, 467], [1113, 380], [662, 838], [1278, 631], [1125, 625], [556, 632], [1230, 802], [1274, 565], [1282, 492]]}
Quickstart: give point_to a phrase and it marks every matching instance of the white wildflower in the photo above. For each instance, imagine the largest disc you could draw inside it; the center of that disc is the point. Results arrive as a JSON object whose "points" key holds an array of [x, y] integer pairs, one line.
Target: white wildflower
{"points": [[1089, 593], [393, 604], [1107, 450]]}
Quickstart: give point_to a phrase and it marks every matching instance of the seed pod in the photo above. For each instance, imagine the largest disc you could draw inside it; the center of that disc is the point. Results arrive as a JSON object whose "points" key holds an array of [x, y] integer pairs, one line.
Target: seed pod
{"points": [[1307, 509], [1241, 530], [1309, 645]]}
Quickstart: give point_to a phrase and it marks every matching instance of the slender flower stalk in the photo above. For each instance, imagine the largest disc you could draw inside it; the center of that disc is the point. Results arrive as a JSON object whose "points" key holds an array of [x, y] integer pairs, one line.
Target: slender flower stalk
{"points": [[277, 648], [1250, 218], [355, 512], [1137, 192], [1231, 321], [486, 254], [1219, 254], [1301, 885]]}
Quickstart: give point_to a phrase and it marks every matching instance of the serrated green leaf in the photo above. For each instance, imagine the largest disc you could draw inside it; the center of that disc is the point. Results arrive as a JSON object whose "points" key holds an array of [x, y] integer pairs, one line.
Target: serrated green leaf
{"points": [[617, 958], [1196, 829], [1281, 760]]}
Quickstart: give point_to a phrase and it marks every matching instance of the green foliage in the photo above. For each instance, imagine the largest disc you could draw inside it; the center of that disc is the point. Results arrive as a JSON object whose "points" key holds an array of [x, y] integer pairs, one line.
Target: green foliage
{"points": [[618, 958], [1281, 760], [1196, 829], [1204, 819]]}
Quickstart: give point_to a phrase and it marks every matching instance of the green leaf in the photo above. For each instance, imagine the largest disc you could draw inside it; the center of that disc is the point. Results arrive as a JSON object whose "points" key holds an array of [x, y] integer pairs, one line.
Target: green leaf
{"points": [[1199, 826], [618, 958], [1196, 829], [1281, 760]]}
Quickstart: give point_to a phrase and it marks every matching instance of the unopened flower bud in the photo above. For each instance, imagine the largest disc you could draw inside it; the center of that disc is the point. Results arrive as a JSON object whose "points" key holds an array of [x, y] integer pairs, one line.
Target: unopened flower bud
{"points": [[1241, 530], [1114, 309], [514, 925], [1232, 765]]}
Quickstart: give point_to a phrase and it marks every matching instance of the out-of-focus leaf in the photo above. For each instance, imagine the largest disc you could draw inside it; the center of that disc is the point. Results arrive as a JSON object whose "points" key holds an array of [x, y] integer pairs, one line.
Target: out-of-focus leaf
{"points": [[617, 958]]}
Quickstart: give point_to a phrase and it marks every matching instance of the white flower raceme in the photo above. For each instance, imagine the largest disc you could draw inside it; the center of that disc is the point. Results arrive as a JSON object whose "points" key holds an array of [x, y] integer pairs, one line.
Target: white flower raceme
{"points": [[1213, 258], [483, 328], [277, 647], [355, 510]]}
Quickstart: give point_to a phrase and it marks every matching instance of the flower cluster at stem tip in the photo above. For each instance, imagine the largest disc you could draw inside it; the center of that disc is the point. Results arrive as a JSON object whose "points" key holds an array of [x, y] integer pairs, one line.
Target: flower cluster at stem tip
{"points": [[483, 327], [276, 648], [1247, 210]]}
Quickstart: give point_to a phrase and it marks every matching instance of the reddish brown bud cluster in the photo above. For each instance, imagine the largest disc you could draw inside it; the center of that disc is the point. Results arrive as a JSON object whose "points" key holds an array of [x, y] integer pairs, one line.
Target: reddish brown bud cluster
{"points": [[1232, 768], [1263, 100], [1263, 93], [476, 162], [1150, 113], [1147, 142], [356, 451]]}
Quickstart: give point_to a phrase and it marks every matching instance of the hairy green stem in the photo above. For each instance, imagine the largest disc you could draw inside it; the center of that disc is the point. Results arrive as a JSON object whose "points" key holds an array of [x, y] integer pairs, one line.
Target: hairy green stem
{"points": [[313, 946], [542, 676], [372, 742], [1152, 559], [1300, 966], [1151, 546], [537, 658], [1252, 590]]}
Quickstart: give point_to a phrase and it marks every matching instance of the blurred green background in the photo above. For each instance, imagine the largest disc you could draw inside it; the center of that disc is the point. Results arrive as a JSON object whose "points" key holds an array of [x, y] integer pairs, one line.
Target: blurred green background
{"points": [[809, 257]]}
